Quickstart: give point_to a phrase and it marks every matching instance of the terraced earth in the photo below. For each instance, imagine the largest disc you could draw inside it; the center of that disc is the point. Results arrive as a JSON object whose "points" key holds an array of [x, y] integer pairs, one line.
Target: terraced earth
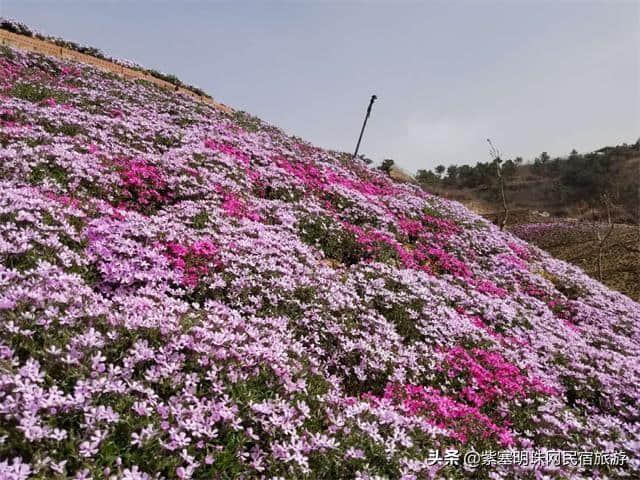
{"points": [[576, 242]]}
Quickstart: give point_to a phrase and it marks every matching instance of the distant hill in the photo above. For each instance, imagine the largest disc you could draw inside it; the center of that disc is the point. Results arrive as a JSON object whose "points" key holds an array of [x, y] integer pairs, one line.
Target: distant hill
{"points": [[564, 187], [556, 203]]}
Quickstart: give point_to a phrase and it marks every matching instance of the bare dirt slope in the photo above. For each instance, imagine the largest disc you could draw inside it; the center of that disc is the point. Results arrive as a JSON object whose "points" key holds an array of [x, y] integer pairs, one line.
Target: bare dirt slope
{"points": [[576, 242], [41, 46]]}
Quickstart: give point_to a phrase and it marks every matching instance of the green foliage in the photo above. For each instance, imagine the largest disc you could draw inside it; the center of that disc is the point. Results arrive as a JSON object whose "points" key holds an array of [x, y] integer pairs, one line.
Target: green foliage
{"points": [[15, 27], [200, 220], [374, 382], [9, 217], [166, 141], [432, 212], [173, 80], [582, 395], [37, 141], [290, 195], [28, 259], [427, 177], [71, 244], [76, 222], [5, 139], [452, 175], [7, 52], [570, 290], [35, 92], [185, 121], [292, 308], [336, 243], [48, 170], [386, 165], [66, 129], [48, 219], [400, 314], [91, 105], [305, 294], [89, 273], [246, 121], [509, 168], [167, 77]]}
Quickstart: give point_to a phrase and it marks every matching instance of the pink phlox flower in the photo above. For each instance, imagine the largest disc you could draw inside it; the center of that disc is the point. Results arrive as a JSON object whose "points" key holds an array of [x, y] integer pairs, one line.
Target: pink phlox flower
{"points": [[49, 102], [15, 469], [195, 260], [235, 207], [228, 149], [487, 286]]}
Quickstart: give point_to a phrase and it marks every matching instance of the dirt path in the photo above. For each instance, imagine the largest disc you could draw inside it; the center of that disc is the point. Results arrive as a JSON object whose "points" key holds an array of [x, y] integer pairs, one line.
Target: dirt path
{"points": [[46, 48]]}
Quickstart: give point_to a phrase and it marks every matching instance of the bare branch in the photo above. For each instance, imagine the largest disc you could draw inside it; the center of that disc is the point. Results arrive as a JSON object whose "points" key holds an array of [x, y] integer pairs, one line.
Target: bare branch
{"points": [[603, 240], [495, 154], [493, 151]]}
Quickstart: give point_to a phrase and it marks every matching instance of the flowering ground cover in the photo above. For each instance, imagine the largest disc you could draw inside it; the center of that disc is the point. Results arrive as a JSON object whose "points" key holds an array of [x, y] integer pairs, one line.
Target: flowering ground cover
{"points": [[186, 293]]}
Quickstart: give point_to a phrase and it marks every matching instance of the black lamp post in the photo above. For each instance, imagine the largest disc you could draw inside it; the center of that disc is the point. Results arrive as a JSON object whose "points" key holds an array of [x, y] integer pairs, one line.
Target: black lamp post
{"points": [[364, 124]]}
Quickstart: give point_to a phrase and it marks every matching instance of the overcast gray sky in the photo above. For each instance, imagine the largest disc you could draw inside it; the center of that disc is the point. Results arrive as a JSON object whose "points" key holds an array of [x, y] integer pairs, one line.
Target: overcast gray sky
{"points": [[531, 75]]}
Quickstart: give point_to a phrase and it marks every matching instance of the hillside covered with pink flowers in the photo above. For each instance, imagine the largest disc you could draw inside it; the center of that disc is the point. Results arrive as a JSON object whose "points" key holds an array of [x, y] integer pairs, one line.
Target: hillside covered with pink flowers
{"points": [[191, 294]]}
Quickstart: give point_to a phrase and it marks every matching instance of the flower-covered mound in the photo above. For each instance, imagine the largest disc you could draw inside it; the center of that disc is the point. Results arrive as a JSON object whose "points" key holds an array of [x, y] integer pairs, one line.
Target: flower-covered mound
{"points": [[189, 294]]}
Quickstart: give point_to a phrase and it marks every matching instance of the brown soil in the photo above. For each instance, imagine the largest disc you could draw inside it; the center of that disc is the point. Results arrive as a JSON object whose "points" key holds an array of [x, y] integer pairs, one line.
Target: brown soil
{"points": [[47, 48]]}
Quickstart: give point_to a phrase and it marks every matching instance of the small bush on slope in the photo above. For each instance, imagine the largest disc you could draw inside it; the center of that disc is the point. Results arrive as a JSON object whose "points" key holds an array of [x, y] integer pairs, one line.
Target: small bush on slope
{"points": [[239, 303]]}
